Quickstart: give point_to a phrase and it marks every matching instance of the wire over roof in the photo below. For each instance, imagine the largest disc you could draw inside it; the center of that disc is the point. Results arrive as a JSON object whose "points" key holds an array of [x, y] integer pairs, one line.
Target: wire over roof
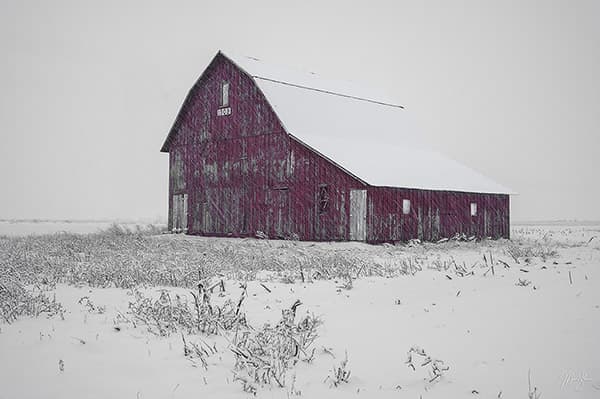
{"points": [[364, 132]]}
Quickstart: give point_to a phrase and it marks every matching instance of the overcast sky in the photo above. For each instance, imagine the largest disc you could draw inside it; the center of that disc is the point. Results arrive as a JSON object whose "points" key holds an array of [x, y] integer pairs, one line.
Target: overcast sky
{"points": [[91, 88]]}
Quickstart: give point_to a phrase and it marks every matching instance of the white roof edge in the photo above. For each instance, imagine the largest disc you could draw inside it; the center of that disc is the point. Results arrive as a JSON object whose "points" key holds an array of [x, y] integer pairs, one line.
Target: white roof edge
{"points": [[508, 192], [327, 158]]}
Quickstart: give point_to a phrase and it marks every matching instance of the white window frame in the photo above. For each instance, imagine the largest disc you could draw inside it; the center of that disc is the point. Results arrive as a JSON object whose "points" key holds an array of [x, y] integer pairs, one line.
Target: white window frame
{"points": [[225, 94], [405, 206], [473, 208]]}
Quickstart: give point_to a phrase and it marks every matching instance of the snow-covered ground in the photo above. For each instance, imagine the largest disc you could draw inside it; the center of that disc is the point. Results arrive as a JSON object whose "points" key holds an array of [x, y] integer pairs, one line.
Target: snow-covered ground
{"points": [[14, 228], [495, 328]]}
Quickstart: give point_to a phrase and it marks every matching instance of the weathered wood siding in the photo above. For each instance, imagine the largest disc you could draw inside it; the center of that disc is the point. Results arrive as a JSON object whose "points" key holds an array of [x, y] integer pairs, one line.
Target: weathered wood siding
{"points": [[358, 215], [240, 173], [310, 172], [434, 214], [231, 163]]}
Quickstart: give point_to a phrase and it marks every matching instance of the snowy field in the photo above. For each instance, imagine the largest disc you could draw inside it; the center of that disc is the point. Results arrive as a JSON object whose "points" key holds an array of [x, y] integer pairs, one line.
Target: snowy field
{"points": [[15, 228], [121, 315]]}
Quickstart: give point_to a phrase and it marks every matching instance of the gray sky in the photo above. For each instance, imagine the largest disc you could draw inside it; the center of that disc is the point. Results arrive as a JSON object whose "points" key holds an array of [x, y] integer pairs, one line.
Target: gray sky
{"points": [[90, 90]]}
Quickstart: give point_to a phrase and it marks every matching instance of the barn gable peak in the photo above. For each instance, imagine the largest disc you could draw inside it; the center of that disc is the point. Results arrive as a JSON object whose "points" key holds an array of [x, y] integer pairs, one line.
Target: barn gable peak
{"points": [[257, 69]]}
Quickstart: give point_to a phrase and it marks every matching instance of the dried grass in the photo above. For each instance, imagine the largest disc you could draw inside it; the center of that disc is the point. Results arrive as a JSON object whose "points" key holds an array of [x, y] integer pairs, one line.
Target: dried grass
{"points": [[340, 373], [264, 356], [198, 351], [171, 314], [122, 258], [17, 300], [436, 368]]}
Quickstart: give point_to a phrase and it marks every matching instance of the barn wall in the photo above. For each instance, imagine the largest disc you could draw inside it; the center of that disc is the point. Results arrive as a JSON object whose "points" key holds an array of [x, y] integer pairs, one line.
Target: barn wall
{"points": [[434, 215], [233, 165], [242, 173], [311, 172]]}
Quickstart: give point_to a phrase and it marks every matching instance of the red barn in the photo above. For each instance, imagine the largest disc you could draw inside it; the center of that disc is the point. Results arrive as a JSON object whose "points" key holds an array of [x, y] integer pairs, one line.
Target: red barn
{"points": [[257, 148]]}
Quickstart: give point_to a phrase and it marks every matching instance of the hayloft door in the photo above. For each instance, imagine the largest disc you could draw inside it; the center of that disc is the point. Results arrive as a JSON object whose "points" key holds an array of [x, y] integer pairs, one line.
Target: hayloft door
{"points": [[358, 215], [180, 213]]}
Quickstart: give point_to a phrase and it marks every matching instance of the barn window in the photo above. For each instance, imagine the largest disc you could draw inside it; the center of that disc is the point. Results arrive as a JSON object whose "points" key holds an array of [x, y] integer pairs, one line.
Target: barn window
{"points": [[406, 206], [225, 94], [473, 209], [323, 198]]}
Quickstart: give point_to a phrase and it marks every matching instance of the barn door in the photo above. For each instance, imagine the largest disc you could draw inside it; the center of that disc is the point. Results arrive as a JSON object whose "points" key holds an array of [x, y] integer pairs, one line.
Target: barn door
{"points": [[279, 213], [358, 215], [180, 213], [435, 229]]}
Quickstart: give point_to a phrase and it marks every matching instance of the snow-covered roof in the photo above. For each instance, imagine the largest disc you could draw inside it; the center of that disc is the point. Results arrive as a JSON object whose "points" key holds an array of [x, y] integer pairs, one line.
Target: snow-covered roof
{"points": [[364, 132]]}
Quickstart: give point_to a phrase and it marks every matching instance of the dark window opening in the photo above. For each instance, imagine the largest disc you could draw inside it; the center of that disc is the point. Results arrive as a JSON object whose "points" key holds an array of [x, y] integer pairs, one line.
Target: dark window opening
{"points": [[323, 199]]}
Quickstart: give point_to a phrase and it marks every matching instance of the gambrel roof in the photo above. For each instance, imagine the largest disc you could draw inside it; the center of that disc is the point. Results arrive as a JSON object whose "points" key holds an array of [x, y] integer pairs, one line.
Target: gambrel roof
{"points": [[361, 131]]}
